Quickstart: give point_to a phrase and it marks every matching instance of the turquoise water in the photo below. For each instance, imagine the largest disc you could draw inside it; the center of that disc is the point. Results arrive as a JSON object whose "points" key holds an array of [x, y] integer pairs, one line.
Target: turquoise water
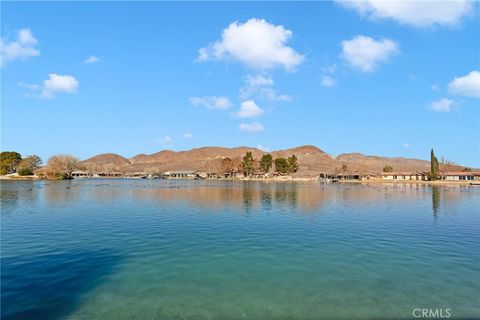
{"points": [[154, 249]]}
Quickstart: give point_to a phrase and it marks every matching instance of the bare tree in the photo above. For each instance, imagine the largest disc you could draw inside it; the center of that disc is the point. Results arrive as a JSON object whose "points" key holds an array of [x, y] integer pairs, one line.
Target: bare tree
{"points": [[61, 167], [446, 166], [227, 167]]}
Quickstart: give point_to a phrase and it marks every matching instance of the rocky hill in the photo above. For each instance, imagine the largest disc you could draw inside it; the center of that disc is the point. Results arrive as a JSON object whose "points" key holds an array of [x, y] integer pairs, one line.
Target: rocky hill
{"points": [[311, 159]]}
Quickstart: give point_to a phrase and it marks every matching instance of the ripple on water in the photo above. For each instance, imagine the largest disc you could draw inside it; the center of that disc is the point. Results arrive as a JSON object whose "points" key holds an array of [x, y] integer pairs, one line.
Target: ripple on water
{"points": [[123, 249]]}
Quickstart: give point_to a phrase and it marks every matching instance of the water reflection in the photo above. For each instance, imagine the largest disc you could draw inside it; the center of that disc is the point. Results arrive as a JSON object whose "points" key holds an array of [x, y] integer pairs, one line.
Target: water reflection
{"points": [[435, 200], [219, 195]]}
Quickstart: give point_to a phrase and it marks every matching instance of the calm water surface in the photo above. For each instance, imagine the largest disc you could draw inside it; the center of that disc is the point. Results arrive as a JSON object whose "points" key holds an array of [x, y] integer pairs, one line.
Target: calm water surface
{"points": [[139, 249]]}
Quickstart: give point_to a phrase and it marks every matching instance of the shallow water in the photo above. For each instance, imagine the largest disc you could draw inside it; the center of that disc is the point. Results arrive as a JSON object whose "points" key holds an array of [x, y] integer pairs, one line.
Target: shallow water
{"points": [[156, 249]]}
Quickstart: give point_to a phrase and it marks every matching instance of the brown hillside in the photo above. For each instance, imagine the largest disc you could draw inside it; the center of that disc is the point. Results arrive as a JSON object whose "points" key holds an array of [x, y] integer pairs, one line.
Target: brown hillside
{"points": [[311, 159]]}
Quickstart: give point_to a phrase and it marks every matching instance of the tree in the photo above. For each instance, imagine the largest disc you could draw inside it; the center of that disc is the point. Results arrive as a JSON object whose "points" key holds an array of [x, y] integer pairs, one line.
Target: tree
{"points": [[445, 166], [248, 164], [281, 165], [292, 164], [344, 168], [266, 162], [467, 169], [227, 167], [9, 161], [61, 167], [388, 169], [30, 164], [433, 166], [25, 171]]}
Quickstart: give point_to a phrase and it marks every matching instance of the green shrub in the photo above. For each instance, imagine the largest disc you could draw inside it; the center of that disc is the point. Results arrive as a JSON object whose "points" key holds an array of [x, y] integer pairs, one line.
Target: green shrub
{"points": [[25, 172]]}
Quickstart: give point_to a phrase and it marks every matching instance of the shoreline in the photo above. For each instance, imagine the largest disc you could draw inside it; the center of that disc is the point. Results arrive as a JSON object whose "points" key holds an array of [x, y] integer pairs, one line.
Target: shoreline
{"points": [[282, 180]]}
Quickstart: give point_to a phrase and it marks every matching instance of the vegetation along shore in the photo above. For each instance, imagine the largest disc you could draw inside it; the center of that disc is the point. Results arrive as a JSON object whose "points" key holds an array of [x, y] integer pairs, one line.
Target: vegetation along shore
{"points": [[305, 163]]}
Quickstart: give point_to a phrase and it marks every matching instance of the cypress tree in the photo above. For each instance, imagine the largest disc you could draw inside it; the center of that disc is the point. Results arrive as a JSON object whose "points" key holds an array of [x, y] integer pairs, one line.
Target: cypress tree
{"points": [[433, 166]]}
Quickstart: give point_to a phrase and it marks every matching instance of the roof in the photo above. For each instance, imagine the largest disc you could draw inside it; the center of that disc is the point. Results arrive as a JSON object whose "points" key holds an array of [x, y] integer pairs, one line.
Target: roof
{"points": [[462, 173], [411, 173], [181, 172]]}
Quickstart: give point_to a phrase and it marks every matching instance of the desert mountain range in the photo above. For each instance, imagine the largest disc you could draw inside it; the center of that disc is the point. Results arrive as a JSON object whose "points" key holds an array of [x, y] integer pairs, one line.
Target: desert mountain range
{"points": [[311, 160]]}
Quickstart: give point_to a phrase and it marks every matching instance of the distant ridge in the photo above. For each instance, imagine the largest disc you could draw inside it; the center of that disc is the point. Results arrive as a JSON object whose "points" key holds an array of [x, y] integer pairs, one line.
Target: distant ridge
{"points": [[311, 159]]}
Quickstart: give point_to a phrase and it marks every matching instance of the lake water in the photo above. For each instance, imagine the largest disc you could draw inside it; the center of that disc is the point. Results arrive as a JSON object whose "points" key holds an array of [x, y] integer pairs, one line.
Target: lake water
{"points": [[156, 249]]}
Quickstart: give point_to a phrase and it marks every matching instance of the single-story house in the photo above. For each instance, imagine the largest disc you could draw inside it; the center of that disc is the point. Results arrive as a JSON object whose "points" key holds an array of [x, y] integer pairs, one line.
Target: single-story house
{"points": [[180, 174], [80, 174], [423, 176], [461, 176]]}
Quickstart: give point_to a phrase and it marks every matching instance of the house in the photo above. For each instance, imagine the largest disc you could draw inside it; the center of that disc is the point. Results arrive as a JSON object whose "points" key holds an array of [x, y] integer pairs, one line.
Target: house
{"points": [[80, 174], [461, 176], [108, 174], [340, 176], [421, 176], [180, 174], [260, 175]]}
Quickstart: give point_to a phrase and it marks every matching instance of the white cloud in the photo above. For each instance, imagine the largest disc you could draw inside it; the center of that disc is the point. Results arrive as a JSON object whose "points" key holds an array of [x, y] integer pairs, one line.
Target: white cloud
{"points": [[365, 53], [28, 86], [251, 127], [166, 141], [249, 109], [435, 87], [212, 102], [255, 43], [264, 149], [442, 105], [20, 49], [468, 86], [187, 135], [416, 13], [92, 59], [328, 81], [260, 86], [59, 83], [406, 145], [331, 69]]}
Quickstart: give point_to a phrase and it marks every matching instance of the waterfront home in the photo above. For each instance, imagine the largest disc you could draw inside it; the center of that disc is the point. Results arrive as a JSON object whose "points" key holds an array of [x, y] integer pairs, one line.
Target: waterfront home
{"points": [[260, 175], [461, 176], [421, 176], [109, 174], [180, 174], [340, 176], [80, 174]]}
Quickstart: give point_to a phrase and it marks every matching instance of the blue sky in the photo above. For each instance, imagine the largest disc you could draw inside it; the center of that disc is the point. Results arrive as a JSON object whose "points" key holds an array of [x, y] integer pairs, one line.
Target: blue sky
{"points": [[129, 78]]}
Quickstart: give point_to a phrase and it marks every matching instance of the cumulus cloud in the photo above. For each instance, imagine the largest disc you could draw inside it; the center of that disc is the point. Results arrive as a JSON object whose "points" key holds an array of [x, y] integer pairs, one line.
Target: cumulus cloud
{"points": [[255, 43], [20, 49], [442, 105], [187, 135], [165, 141], [260, 86], [251, 127], [365, 53], [212, 102], [328, 81], [249, 109], [92, 59], [415, 13], [467, 86], [59, 83]]}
